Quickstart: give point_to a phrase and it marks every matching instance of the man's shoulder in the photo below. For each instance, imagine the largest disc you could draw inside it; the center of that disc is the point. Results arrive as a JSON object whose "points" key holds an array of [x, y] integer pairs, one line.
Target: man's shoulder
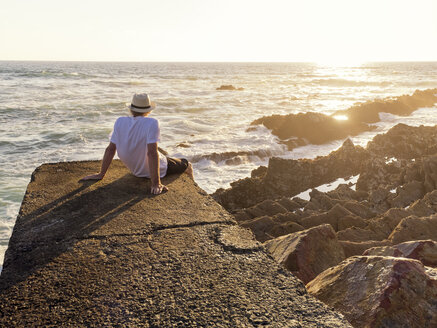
{"points": [[122, 119], [149, 121]]}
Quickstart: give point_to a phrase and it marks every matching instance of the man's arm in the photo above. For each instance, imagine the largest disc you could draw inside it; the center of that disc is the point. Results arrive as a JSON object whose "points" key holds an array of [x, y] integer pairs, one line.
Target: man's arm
{"points": [[107, 159], [153, 160]]}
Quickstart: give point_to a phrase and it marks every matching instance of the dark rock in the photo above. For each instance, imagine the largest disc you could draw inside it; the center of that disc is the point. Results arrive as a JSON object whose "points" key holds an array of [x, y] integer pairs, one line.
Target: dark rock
{"points": [[425, 206], [359, 209], [332, 216], [261, 227], [384, 225], [404, 105], [287, 217], [357, 234], [376, 291], [307, 253], [407, 194], [271, 208], [423, 250], [229, 87], [259, 172], [349, 221], [376, 174], [352, 248], [290, 204], [414, 228], [285, 229], [310, 127], [183, 145], [405, 142], [290, 177]]}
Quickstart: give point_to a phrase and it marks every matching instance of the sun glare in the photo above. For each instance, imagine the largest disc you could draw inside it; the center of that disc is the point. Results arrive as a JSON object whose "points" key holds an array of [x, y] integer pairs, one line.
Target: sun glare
{"points": [[341, 117]]}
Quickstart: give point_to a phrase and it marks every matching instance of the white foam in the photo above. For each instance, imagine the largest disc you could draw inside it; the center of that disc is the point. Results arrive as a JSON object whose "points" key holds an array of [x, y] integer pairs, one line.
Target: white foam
{"points": [[330, 186]]}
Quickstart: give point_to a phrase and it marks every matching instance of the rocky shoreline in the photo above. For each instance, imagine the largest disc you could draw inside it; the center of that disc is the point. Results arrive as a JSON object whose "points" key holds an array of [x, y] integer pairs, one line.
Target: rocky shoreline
{"points": [[107, 253], [368, 250], [295, 130]]}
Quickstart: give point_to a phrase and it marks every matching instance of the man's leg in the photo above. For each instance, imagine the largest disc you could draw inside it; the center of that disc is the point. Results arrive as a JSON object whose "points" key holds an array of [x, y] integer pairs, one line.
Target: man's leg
{"points": [[179, 166]]}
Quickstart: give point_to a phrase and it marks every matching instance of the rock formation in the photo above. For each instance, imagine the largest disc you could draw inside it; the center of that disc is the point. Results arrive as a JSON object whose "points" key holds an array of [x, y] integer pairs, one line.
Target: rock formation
{"points": [[423, 250], [290, 177], [391, 212], [378, 291], [307, 253], [229, 87], [110, 254], [300, 129]]}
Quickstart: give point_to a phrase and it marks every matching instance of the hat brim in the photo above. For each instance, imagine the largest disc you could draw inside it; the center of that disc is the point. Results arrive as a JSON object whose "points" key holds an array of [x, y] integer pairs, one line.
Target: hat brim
{"points": [[142, 110]]}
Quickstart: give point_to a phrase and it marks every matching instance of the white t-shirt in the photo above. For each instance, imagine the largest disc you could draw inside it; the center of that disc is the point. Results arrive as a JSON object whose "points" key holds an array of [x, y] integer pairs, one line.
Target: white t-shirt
{"points": [[131, 135]]}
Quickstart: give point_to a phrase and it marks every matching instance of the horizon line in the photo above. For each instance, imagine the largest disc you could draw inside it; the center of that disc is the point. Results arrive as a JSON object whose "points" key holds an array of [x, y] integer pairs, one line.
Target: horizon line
{"points": [[211, 62]]}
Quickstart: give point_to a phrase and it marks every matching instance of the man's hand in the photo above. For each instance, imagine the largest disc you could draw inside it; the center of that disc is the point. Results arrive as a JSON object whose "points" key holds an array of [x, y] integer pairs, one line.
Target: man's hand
{"points": [[97, 176], [156, 190]]}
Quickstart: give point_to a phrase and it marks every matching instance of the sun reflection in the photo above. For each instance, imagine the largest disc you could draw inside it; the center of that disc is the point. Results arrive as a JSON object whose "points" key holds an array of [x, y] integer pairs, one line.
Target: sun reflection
{"points": [[341, 117]]}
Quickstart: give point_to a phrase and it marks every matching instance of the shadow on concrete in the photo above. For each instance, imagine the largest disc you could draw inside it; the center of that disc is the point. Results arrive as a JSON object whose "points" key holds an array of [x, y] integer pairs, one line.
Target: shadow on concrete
{"points": [[50, 230]]}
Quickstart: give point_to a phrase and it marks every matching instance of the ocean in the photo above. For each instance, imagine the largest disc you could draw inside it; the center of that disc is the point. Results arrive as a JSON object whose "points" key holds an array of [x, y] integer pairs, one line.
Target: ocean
{"points": [[64, 111]]}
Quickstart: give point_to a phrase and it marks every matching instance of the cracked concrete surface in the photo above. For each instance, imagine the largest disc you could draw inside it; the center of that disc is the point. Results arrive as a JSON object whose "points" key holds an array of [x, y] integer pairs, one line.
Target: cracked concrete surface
{"points": [[109, 254]]}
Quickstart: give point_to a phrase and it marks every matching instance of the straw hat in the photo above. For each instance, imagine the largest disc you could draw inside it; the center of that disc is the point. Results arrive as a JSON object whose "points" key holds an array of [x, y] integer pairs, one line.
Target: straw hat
{"points": [[141, 103]]}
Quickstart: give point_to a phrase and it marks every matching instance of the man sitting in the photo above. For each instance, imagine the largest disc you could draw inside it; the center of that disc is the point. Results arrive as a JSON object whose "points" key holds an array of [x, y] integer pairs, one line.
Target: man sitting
{"points": [[136, 140]]}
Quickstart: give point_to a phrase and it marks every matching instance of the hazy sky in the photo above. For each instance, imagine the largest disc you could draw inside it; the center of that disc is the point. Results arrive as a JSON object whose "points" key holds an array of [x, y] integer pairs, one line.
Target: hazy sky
{"points": [[221, 30]]}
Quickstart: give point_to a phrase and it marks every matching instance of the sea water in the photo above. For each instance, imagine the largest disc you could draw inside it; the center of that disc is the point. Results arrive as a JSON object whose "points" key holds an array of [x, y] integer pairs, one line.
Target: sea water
{"points": [[64, 111]]}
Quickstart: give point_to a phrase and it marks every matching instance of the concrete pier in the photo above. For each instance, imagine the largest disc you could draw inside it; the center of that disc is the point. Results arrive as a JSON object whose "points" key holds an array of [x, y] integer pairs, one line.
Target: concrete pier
{"points": [[110, 254]]}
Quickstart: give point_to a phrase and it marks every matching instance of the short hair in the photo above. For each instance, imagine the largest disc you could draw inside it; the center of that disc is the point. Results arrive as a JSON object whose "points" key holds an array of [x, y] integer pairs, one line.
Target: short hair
{"points": [[134, 113]]}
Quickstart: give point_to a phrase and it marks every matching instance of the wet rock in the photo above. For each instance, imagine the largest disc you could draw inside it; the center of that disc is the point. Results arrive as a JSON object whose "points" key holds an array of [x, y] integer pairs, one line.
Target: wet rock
{"points": [[423, 250], [316, 128], [405, 142], [229, 87], [259, 172], [415, 228], [376, 291], [232, 157], [307, 253], [286, 178], [368, 112]]}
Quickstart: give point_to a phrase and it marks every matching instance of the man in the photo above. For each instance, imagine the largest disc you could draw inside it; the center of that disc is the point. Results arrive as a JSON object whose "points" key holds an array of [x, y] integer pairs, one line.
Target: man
{"points": [[136, 140]]}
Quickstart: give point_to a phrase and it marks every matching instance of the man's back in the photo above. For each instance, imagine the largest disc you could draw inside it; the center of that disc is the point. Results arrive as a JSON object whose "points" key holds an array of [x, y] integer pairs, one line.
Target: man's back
{"points": [[131, 135]]}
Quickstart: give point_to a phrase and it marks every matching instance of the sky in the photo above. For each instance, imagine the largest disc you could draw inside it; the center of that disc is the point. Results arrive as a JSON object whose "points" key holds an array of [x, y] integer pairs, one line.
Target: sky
{"points": [[330, 31]]}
